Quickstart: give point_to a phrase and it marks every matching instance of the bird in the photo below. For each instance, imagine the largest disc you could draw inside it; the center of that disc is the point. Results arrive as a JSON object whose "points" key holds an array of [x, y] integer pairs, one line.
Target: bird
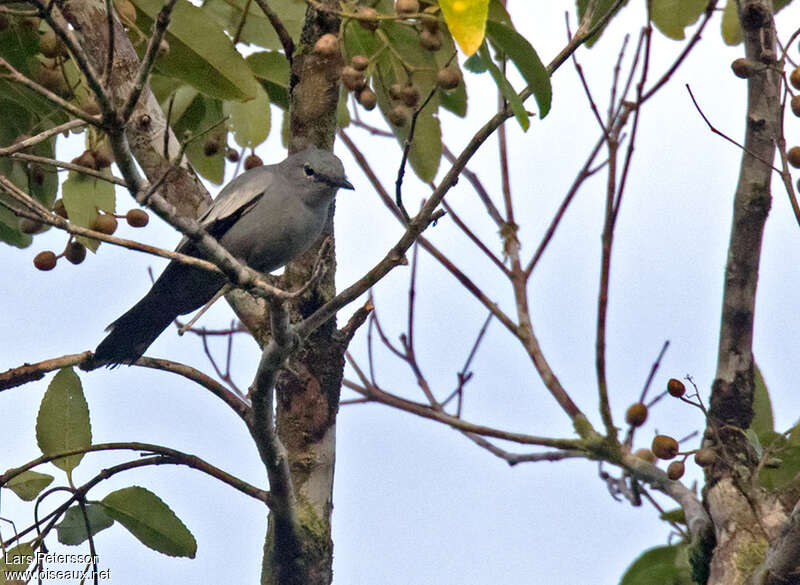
{"points": [[265, 217]]}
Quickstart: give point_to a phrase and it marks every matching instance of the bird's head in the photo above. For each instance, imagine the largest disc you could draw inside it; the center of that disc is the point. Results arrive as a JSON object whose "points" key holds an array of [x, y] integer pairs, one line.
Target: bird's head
{"points": [[320, 171]]}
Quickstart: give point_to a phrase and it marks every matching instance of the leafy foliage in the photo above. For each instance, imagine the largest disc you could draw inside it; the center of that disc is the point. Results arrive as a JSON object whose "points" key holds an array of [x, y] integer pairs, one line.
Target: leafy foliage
{"points": [[28, 484], [151, 521], [63, 420], [663, 565], [72, 528]]}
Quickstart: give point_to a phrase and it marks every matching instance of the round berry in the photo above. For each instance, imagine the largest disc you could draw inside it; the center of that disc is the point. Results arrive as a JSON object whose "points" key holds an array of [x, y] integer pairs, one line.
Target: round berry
{"points": [[664, 447], [676, 388], [45, 260], [636, 414], [137, 218]]}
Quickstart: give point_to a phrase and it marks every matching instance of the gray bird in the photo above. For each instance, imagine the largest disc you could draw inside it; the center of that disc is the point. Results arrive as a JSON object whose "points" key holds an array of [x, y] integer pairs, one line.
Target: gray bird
{"points": [[265, 217]]}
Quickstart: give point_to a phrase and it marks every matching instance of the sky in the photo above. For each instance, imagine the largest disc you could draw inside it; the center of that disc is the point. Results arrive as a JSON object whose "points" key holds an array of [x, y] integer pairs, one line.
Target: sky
{"points": [[415, 502]]}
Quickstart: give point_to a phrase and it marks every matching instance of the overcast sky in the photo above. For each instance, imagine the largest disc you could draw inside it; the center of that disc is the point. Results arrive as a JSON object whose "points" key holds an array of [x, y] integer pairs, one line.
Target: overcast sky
{"points": [[415, 502]]}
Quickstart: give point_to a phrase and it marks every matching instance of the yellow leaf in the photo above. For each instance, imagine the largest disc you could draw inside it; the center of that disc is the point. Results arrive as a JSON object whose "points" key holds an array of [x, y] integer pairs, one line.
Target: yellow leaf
{"points": [[466, 20]]}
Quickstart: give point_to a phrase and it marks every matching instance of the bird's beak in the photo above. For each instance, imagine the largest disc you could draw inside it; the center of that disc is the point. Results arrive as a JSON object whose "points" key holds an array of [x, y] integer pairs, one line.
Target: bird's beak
{"points": [[345, 184]]}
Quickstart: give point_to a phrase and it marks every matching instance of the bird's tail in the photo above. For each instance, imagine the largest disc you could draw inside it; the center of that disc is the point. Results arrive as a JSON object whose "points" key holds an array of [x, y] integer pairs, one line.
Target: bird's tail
{"points": [[131, 335]]}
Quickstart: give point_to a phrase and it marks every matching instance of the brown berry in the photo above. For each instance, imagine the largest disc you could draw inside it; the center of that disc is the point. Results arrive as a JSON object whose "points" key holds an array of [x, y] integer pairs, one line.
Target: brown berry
{"points": [[410, 96], [795, 103], [645, 454], [368, 99], [45, 260], [431, 41], [163, 48], [252, 162], [676, 388], [103, 157], [745, 68], [86, 159], [211, 147], [327, 45], [137, 218], [794, 78], [675, 470], [53, 80], [30, 226], [398, 116], [353, 79], [48, 44], [126, 11], [396, 91], [636, 414], [448, 79], [406, 7], [367, 17], [75, 252], [705, 457], [664, 447], [36, 175], [232, 155], [359, 62], [31, 23], [793, 156], [105, 224], [59, 209]]}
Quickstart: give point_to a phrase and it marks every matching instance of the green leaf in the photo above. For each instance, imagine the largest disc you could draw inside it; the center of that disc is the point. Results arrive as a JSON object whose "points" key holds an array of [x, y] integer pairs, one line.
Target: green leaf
{"points": [[523, 55], [498, 13], [475, 64], [72, 528], [663, 565], [466, 20], [602, 8], [15, 560], [270, 66], [200, 53], [204, 116], [272, 70], [249, 121], [731, 30], [752, 437], [671, 17], [63, 420], [83, 196], [426, 149], [257, 29], [151, 521], [777, 478], [762, 406], [509, 93], [29, 484], [676, 515]]}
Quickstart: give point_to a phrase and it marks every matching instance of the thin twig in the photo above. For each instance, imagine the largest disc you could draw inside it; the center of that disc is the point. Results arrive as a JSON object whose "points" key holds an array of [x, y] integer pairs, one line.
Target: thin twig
{"points": [[725, 136]]}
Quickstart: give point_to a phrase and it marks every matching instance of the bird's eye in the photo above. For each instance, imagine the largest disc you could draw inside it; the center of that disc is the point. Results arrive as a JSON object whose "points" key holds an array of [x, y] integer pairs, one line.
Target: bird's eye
{"points": [[308, 170]]}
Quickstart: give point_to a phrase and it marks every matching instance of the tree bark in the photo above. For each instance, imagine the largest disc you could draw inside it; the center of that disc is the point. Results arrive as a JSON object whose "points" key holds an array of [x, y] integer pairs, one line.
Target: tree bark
{"points": [[746, 518], [308, 390]]}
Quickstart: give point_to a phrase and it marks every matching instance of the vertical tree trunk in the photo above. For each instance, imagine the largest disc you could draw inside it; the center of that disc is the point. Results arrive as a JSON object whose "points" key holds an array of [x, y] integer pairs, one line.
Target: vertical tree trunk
{"points": [[308, 391], [746, 517]]}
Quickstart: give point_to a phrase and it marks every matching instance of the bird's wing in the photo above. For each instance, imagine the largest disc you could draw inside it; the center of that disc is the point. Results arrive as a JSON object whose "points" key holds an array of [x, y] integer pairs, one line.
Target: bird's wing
{"points": [[238, 197]]}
